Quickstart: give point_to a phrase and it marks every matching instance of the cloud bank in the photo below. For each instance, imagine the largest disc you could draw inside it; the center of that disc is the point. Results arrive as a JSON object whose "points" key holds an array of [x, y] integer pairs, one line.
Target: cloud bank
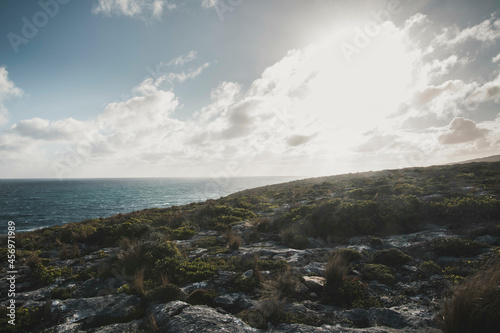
{"points": [[402, 101]]}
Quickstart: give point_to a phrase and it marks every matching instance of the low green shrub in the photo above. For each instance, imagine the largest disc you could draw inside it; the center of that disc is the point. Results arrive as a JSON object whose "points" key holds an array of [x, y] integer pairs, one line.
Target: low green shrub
{"points": [[429, 267], [379, 272], [349, 255], [184, 271], [201, 297], [391, 257], [456, 247], [48, 274], [165, 294]]}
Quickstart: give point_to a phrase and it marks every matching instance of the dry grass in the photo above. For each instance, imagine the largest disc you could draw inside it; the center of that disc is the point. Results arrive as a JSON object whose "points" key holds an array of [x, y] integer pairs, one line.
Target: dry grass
{"points": [[233, 241], [335, 271], [33, 260], [164, 280], [125, 243], [75, 251], [281, 287], [63, 251], [138, 282], [150, 325], [474, 305], [257, 274]]}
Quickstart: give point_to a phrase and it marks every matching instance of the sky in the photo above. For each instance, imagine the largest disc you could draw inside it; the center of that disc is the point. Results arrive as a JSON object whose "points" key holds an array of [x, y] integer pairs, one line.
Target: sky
{"points": [[232, 88]]}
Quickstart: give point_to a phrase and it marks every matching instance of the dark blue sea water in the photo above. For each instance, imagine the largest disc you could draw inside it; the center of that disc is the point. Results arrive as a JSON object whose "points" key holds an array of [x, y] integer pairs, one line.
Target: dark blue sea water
{"points": [[33, 204]]}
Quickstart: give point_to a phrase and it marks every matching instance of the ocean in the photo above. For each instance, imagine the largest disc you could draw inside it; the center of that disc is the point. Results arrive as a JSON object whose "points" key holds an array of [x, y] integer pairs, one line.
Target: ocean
{"points": [[38, 203]]}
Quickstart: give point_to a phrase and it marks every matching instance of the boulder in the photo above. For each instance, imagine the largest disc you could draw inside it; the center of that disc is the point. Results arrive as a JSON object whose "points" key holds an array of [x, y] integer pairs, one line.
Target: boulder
{"points": [[234, 302], [96, 311], [179, 317], [314, 282]]}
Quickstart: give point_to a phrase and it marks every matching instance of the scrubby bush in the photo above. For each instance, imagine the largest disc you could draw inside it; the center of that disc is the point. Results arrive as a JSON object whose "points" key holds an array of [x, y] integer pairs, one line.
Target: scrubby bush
{"points": [[294, 237], [457, 247], [201, 297], [349, 255], [181, 270], [429, 267], [474, 305], [391, 257], [166, 293], [379, 272]]}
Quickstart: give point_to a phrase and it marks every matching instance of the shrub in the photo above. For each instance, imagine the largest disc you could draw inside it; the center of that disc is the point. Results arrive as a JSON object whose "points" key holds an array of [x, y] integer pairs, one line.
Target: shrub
{"points": [[146, 253], [48, 274], [474, 305], [429, 267], [207, 241], [201, 297], [391, 257], [165, 294], [294, 237], [379, 272], [457, 247], [184, 271], [182, 233], [352, 294], [349, 255]]}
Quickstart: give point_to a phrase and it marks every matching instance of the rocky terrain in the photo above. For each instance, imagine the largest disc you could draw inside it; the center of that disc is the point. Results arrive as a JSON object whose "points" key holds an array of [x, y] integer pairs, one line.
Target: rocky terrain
{"points": [[374, 252]]}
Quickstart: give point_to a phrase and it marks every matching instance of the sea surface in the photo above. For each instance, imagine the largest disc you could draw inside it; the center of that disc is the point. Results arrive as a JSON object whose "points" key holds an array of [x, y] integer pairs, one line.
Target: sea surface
{"points": [[39, 203]]}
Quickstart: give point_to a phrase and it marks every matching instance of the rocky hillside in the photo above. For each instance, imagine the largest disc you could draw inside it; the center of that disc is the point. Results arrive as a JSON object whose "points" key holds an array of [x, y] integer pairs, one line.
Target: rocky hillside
{"points": [[413, 250]]}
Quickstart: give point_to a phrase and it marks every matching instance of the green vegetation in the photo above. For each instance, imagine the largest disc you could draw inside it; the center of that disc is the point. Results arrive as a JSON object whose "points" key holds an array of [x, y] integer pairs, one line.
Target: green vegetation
{"points": [[349, 255], [379, 272], [391, 257], [457, 247]]}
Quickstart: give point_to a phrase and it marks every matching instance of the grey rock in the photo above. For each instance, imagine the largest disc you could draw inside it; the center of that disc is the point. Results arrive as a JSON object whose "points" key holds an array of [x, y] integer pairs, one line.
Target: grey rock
{"points": [[488, 239], [248, 274], [299, 328], [132, 327], [163, 312], [204, 319], [386, 317], [96, 311], [314, 267], [234, 302], [359, 317]]}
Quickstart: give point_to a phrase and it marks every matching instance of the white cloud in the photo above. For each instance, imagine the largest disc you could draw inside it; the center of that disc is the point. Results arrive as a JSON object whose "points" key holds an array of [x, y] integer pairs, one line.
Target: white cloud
{"points": [[487, 31], [309, 113], [490, 91], [184, 76], [7, 89], [42, 129], [132, 8], [182, 60], [209, 3], [461, 130]]}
